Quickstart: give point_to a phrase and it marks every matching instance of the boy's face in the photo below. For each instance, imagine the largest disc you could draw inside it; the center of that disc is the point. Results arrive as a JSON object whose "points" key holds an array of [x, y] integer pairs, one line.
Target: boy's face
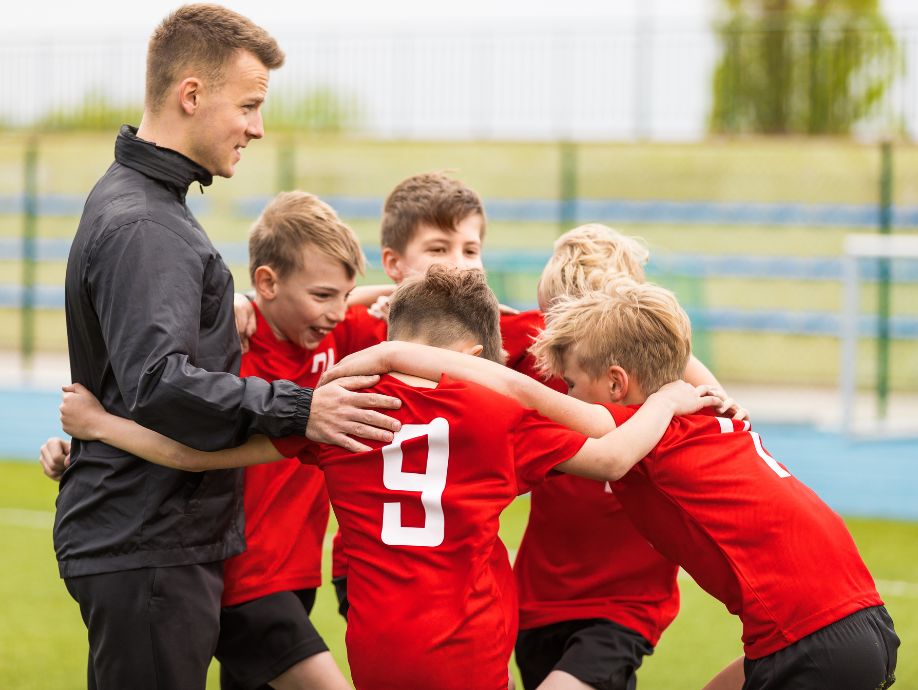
{"points": [[431, 245], [308, 302], [581, 385]]}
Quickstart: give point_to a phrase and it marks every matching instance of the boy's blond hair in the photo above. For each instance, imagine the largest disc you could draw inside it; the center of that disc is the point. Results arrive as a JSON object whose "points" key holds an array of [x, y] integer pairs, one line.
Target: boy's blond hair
{"points": [[445, 305], [637, 326], [587, 257], [431, 198], [295, 219], [203, 38]]}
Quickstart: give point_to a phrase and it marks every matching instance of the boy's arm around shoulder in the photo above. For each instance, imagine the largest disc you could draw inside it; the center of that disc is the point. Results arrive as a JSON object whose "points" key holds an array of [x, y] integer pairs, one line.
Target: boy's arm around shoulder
{"points": [[610, 457], [83, 417], [433, 362]]}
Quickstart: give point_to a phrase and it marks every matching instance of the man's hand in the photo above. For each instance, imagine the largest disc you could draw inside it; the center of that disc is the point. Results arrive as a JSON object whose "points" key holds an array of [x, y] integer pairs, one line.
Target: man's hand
{"points": [[337, 413], [54, 457], [80, 412], [245, 319]]}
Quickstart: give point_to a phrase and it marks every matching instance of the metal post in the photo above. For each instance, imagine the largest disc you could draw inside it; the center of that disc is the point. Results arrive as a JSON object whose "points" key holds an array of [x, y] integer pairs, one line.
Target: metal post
{"points": [[847, 366], [567, 215], [883, 282], [286, 165], [29, 252]]}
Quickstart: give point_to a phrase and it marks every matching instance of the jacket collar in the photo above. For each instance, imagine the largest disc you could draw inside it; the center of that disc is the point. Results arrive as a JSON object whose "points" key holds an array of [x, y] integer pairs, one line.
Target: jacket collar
{"points": [[169, 167]]}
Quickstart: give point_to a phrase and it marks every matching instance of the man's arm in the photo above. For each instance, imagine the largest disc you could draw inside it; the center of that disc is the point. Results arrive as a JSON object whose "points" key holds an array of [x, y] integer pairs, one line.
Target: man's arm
{"points": [[83, 417], [146, 283]]}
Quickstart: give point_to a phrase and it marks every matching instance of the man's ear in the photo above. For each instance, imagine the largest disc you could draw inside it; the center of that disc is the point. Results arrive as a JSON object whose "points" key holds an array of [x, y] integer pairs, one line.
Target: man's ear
{"points": [[391, 263], [617, 379], [189, 90], [265, 282]]}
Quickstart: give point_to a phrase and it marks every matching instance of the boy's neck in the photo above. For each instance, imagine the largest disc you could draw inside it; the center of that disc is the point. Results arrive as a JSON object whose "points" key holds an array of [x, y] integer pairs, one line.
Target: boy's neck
{"points": [[413, 381]]}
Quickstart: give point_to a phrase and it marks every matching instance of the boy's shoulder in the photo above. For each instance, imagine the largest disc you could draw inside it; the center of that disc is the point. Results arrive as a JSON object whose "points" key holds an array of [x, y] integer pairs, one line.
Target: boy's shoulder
{"points": [[517, 331], [359, 330]]}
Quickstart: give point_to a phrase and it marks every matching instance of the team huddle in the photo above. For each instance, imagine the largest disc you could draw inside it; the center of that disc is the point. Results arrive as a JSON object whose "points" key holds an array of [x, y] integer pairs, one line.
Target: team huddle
{"points": [[418, 411]]}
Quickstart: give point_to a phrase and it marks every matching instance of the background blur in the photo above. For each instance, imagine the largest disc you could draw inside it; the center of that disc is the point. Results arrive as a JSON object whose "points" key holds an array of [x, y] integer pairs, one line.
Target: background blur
{"points": [[745, 140]]}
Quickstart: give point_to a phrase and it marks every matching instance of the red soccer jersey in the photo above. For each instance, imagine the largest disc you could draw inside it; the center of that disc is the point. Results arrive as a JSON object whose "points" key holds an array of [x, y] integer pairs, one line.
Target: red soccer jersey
{"points": [[517, 332], [710, 498], [564, 572], [286, 505], [430, 586]]}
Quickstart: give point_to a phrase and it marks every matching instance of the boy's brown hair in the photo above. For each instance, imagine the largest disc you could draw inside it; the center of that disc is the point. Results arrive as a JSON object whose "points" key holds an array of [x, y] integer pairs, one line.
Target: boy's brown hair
{"points": [[433, 199], [294, 219], [203, 38], [445, 305], [637, 326], [587, 257]]}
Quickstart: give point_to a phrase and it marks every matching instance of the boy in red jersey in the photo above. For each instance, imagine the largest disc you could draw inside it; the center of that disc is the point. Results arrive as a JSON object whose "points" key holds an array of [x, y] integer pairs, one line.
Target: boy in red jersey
{"points": [[432, 598], [590, 610], [708, 496]]}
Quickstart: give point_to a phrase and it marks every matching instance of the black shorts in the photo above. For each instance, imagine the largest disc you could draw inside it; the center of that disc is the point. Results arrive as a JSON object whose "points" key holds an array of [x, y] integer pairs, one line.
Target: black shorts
{"points": [[262, 638], [857, 652], [340, 584], [150, 628], [596, 651]]}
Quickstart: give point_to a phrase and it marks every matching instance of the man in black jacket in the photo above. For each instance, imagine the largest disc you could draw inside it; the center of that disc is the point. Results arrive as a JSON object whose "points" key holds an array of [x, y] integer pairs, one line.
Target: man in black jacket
{"points": [[151, 333]]}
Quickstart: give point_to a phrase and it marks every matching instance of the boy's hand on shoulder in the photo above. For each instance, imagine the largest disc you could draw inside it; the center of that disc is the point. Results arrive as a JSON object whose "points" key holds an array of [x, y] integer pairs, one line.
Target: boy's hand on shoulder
{"points": [[380, 308], [684, 398], [54, 457], [339, 412], [245, 319]]}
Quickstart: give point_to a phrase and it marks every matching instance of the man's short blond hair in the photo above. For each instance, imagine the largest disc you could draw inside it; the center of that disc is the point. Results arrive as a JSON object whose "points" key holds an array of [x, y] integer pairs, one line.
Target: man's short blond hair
{"points": [[202, 38], [293, 220], [446, 305], [587, 257], [637, 326]]}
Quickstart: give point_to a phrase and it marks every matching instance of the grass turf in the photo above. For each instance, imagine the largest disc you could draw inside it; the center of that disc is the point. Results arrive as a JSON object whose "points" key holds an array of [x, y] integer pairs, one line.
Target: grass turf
{"points": [[43, 641]]}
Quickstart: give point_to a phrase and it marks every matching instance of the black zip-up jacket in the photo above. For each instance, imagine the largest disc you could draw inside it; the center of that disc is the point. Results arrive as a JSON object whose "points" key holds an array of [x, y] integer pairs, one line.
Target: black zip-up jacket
{"points": [[151, 333]]}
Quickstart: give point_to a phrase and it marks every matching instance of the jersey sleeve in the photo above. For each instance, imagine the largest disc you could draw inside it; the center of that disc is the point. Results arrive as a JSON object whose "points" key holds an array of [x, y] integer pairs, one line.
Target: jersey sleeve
{"points": [[359, 330], [298, 447], [539, 445]]}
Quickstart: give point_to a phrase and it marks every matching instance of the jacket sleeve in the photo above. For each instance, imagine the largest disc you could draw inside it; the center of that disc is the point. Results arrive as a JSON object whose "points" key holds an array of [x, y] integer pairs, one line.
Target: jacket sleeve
{"points": [[146, 284]]}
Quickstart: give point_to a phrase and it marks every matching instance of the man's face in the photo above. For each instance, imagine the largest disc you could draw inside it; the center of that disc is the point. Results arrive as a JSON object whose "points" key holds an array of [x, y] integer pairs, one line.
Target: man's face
{"points": [[229, 116], [581, 385], [431, 245], [310, 301]]}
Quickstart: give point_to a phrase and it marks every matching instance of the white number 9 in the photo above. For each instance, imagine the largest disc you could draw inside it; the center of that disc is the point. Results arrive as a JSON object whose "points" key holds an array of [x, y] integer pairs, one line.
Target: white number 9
{"points": [[430, 484]]}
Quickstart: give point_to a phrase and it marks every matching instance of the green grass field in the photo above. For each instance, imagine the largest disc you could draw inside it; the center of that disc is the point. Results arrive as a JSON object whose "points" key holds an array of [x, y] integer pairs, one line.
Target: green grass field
{"points": [[43, 641]]}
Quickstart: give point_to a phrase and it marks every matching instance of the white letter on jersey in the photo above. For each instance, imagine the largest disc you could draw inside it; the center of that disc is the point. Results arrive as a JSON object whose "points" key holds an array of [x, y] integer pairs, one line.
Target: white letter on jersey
{"points": [[322, 361], [726, 427], [431, 485]]}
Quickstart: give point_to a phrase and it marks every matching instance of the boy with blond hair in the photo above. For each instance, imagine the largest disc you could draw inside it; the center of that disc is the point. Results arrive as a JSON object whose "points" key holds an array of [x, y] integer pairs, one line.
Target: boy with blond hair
{"points": [[589, 610], [708, 497], [432, 596]]}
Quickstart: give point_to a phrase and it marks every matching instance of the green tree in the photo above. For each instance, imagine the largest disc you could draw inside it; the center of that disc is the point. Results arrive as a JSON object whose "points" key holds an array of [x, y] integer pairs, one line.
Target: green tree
{"points": [[801, 66]]}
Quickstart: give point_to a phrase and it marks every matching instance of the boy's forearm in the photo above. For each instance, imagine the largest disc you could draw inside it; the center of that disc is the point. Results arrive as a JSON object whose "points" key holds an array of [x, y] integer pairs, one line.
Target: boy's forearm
{"points": [[697, 374], [611, 457], [162, 450], [431, 363]]}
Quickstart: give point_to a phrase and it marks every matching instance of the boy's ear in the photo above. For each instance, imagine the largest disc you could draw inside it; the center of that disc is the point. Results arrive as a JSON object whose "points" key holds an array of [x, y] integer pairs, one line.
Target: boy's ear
{"points": [[391, 263], [265, 282], [474, 350], [618, 382]]}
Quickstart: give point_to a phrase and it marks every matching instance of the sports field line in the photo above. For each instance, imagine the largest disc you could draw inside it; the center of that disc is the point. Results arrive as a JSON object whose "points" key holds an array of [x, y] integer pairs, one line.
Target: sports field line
{"points": [[44, 519]]}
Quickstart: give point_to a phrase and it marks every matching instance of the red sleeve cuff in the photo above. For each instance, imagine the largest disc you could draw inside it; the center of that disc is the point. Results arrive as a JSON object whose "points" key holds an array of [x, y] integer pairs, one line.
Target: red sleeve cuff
{"points": [[298, 447]]}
